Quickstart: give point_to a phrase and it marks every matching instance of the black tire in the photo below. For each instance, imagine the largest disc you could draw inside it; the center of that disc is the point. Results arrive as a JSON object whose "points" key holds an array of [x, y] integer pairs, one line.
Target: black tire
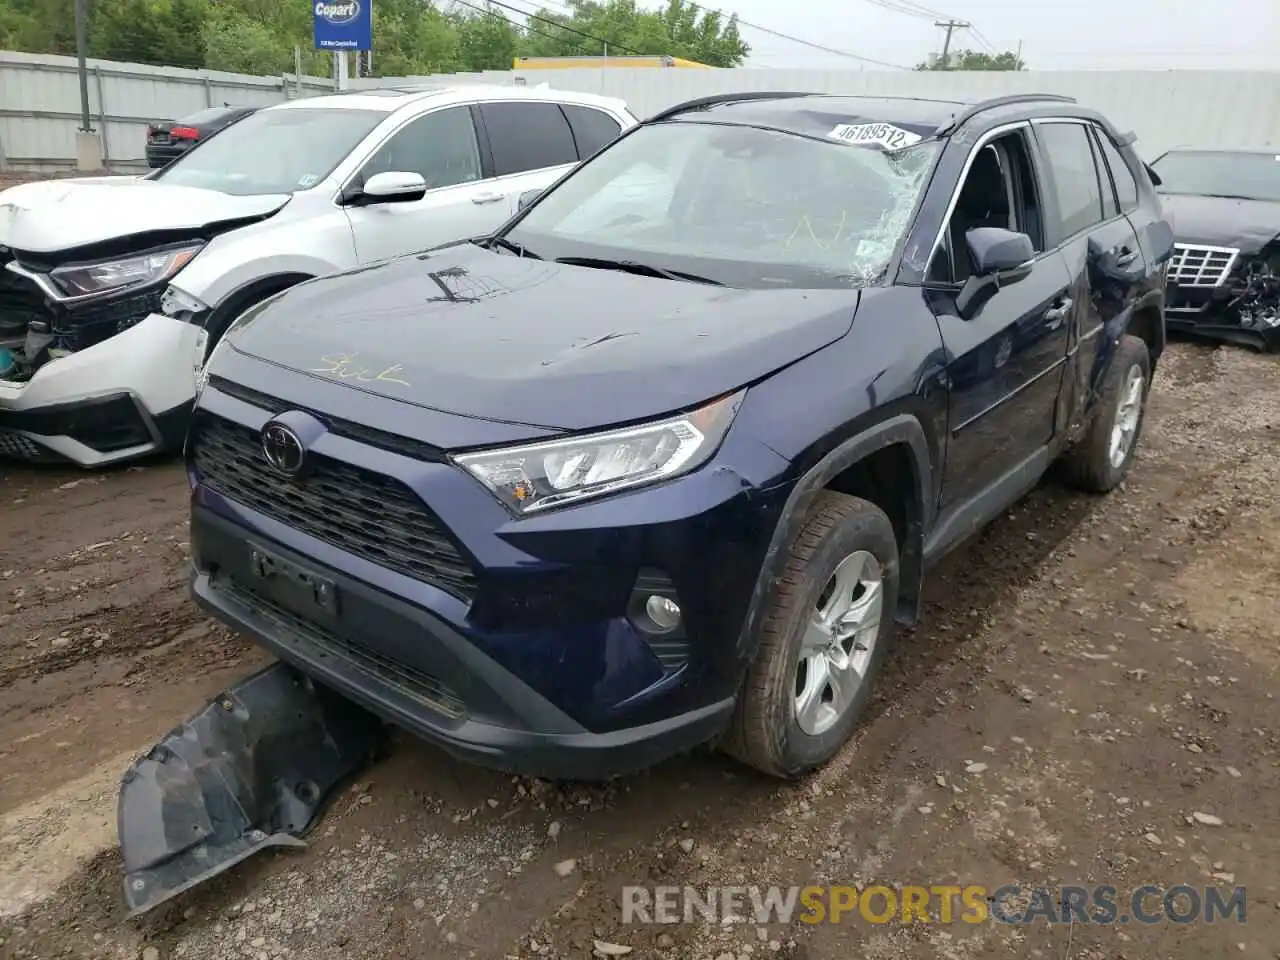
{"points": [[1088, 464], [764, 732]]}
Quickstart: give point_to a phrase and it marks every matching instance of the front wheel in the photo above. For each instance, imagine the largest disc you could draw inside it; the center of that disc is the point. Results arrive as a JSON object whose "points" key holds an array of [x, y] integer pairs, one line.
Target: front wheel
{"points": [[1100, 460], [823, 638]]}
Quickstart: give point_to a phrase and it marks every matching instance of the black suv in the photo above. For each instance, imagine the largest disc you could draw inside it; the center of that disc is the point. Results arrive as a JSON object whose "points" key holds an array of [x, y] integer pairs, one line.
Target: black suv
{"points": [[1224, 278], [663, 460]]}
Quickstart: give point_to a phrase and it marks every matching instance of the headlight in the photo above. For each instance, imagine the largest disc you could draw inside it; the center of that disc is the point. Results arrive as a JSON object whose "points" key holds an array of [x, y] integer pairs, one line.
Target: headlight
{"points": [[86, 279], [542, 475]]}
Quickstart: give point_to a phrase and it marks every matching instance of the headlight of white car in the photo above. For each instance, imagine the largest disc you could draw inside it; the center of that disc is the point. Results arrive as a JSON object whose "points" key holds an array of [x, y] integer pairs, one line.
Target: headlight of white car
{"points": [[538, 476], [87, 279]]}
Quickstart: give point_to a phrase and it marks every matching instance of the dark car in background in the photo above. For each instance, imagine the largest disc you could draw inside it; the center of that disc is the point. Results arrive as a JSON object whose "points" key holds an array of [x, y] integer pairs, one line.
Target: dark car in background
{"points": [[1224, 279], [170, 139]]}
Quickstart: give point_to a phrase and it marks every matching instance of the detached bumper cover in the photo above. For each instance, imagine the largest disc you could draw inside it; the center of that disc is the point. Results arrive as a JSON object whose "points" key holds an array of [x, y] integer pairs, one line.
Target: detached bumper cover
{"points": [[124, 398], [250, 771]]}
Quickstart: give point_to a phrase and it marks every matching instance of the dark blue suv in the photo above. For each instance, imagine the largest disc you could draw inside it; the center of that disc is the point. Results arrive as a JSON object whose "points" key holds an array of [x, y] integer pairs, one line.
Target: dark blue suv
{"points": [[662, 461]]}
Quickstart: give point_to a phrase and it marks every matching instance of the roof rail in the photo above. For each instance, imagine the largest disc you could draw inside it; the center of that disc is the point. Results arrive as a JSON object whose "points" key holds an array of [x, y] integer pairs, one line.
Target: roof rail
{"points": [[964, 116], [718, 98]]}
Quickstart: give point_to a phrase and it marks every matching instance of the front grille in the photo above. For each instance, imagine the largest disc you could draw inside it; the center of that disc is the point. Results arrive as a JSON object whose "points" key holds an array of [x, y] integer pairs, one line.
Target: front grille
{"points": [[364, 513], [87, 324], [1201, 266], [322, 644]]}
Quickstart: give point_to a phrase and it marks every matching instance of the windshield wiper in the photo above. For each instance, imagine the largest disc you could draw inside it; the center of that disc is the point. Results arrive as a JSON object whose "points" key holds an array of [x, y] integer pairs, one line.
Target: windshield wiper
{"points": [[1228, 196], [518, 249], [643, 269]]}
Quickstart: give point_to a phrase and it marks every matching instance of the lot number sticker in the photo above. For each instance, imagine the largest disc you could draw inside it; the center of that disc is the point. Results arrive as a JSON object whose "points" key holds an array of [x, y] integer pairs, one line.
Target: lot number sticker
{"points": [[884, 135]]}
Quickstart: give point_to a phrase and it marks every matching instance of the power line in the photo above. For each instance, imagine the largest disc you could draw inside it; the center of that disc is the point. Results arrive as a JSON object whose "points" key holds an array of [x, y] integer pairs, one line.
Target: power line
{"points": [[515, 23], [553, 23], [802, 42], [903, 9]]}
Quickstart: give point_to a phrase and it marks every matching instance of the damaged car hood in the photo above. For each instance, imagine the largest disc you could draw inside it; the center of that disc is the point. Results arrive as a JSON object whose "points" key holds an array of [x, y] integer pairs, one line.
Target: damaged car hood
{"points": [[54, 215], [1246, 225], [500, 337]]}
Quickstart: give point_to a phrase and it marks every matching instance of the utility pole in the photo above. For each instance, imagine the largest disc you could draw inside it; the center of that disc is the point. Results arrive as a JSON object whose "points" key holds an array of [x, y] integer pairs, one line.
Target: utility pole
{"points": [[950, 26], [82, 44], [88, 146]]}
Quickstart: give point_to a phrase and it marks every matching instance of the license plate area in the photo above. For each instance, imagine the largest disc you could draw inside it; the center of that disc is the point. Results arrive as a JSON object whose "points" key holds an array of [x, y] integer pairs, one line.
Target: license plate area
{"points": [[292, 586]]}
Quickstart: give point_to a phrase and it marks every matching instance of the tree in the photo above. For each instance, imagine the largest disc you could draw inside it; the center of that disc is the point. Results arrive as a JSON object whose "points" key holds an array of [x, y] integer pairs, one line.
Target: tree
{"points": [[412, 37], [681, 29], [977, 60], [486, 41]]}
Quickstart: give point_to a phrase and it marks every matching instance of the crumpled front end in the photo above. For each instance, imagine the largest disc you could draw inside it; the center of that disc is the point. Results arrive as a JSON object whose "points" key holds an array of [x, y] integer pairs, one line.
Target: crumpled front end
{"points": [[1224, 293], [93, 377]]}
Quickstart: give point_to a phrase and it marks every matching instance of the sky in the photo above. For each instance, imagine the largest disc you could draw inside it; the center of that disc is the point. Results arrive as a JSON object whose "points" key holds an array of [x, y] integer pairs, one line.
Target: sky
{"points": [[1074, 35]]}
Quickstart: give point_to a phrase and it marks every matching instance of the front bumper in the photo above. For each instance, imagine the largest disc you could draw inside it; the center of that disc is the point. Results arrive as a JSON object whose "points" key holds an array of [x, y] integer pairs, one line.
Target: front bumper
{"points": [[127, 397], [473, 708]]}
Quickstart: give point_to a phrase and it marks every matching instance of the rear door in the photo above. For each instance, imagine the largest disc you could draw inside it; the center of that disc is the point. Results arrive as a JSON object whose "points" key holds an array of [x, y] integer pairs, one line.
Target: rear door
{"points": [[532, 144], [1099, 245], [442, 146]]}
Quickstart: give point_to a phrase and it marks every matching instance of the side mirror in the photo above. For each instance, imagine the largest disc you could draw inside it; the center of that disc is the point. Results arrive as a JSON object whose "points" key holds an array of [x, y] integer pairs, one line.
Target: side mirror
{"points": [[527, 198], [1000, 252], [999, 257], [393, 186]]}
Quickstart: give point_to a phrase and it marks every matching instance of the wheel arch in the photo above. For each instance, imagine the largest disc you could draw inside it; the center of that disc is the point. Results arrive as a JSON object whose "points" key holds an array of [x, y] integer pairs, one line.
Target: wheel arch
{"points": [[245, 296], [850, 467]]}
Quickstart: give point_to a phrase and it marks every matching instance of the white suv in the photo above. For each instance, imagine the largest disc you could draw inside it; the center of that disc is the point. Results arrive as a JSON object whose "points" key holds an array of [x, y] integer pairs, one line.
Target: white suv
{"points": [[116, 288]]}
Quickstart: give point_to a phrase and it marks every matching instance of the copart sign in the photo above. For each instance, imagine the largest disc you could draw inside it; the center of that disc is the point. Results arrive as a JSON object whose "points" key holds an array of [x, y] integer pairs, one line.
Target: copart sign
{"points": [[343, 24]]}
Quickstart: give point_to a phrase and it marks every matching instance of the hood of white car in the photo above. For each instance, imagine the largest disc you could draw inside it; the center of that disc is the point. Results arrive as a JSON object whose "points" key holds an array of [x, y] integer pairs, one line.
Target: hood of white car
{"points": [[55, 215]]}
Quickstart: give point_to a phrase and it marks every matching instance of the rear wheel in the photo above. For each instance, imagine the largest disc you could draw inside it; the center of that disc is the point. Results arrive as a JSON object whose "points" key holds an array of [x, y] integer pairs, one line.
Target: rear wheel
{"points": [[823, 638], [1100, 460]]}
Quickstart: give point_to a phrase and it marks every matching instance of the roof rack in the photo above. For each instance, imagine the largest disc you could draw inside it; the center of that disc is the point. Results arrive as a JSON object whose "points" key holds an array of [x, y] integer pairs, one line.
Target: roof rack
{"points": [[719, 98], [964, 116]]}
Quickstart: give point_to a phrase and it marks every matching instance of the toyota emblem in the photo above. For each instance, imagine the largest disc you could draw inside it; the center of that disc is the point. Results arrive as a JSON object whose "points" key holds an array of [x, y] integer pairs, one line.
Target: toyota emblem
{"points": [[283, 449]]}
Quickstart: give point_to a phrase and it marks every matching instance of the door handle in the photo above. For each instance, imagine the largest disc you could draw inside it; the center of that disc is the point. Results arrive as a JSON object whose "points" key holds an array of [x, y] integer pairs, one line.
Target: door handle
{"points": [[1058, 312], [488, 197]]}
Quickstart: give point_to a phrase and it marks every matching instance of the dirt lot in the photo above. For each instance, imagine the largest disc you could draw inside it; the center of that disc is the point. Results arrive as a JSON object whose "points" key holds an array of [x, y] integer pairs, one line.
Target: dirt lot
{"points": [[1090, 674]]}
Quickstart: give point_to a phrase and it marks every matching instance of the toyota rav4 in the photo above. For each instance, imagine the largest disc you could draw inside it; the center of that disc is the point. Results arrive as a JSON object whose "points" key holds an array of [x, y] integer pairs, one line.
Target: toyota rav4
{"points": [[663, 460]]}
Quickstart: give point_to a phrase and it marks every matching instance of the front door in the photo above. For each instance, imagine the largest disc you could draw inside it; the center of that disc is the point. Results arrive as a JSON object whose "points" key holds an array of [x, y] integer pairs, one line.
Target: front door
{"points": [[1004, 363], [460, 202]]}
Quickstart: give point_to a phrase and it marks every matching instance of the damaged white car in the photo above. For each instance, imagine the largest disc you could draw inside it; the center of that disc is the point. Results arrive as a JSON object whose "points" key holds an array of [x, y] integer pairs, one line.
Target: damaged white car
{"points": [[113, 290]]}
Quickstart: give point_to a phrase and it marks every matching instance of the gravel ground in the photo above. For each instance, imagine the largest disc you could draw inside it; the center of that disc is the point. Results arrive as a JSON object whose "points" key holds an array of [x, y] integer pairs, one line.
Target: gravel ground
{"points": [[1088, 700]]}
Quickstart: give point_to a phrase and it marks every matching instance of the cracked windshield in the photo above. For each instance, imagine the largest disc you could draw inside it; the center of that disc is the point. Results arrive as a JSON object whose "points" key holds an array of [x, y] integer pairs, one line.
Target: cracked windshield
{"points": [[742, 206]]}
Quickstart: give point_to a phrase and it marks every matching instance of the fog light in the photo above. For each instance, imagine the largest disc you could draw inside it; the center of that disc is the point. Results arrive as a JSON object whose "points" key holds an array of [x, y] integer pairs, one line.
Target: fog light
{"points": [[664, 613]]}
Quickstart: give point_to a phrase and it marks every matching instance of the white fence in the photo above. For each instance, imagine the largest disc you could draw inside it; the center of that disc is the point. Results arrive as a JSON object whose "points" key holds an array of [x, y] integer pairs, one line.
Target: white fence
{"points": [[1165, 108], [40, 105], [40, 98]]}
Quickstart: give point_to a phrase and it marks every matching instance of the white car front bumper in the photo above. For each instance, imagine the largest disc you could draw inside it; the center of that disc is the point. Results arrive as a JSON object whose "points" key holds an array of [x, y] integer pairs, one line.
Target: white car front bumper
{"points": [[124, 398]]}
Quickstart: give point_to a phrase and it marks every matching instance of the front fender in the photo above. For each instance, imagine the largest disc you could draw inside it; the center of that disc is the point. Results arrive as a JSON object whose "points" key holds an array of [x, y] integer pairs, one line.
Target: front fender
{"points": [[300, 245], [898, 429]]}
